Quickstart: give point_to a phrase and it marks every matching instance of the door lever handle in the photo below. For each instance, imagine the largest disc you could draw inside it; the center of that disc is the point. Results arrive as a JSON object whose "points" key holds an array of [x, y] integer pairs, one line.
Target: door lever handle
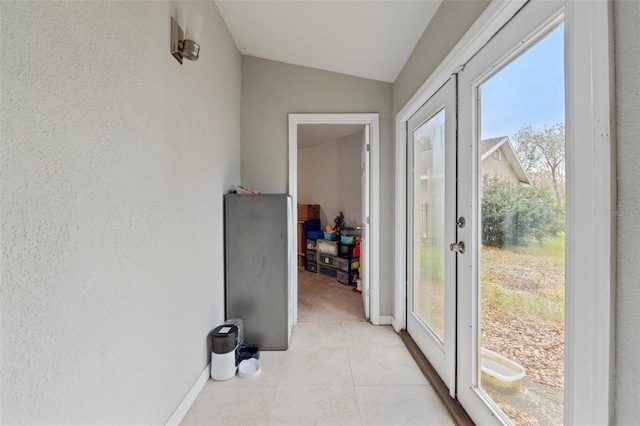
{"points": [[457, 247]]}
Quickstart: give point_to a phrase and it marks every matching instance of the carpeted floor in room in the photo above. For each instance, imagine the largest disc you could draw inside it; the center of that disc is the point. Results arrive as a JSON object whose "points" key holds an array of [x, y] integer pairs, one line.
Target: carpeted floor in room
{"points": [[323, 299]]}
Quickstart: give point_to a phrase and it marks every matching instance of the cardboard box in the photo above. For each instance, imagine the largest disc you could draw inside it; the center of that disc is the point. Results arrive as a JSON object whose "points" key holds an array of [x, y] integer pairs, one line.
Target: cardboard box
{"points": [[308, 211]]}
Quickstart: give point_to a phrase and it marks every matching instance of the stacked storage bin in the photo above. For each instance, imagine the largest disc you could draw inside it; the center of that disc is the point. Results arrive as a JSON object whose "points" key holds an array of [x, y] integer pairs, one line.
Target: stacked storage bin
{"points": [[347, 264], [312, 255], [311, 233], [327, 255]]}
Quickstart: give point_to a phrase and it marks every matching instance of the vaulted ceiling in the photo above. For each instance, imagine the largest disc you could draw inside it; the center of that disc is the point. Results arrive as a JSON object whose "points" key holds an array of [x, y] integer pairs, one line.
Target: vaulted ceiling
{"points": [[364, 38]]}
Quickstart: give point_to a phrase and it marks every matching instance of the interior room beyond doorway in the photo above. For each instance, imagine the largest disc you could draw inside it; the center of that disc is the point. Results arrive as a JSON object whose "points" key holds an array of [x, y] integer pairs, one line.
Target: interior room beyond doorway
{"points": [[329, 173], [329, 170], [322, 299]]}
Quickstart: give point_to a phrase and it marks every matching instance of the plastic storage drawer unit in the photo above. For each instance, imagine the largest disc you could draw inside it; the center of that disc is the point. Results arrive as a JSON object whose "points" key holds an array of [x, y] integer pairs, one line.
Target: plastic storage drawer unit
{"points": [[325, 259], [346, 278], [346, 250], [311, 266], [342, 263], [324, 270], [328, 247]]}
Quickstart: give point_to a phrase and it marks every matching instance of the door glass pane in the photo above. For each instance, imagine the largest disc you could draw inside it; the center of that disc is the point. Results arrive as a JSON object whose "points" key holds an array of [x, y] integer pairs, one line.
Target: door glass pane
{"points": [[428, 223], [522, 200]]}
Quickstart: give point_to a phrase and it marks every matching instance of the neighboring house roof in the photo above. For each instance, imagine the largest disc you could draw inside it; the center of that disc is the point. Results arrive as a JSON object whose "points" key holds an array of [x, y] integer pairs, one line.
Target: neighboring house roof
{"points": [[489, 146]]}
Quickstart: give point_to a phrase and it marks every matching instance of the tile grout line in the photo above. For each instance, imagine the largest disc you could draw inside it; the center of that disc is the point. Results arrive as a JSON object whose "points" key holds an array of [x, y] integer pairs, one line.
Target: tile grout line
{"points": [[273, 407], [346, 344], [356, 339], [353, 380], [275, 399]]}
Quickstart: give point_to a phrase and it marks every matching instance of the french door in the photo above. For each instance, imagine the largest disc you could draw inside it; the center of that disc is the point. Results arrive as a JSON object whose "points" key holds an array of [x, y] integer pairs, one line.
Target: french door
{"points": [[451, 166], [431, 224], [500, 277]]}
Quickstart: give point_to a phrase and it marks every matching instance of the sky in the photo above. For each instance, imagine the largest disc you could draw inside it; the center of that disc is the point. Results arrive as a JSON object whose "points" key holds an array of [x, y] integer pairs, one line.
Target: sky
{"points": [[528, 92]]}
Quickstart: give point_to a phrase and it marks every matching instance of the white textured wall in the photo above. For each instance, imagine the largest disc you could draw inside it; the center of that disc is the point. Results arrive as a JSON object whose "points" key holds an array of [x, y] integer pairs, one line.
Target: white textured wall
{"points": [[114, 162], [449, 24], [627, 40], [270, 91], [329, 175]]}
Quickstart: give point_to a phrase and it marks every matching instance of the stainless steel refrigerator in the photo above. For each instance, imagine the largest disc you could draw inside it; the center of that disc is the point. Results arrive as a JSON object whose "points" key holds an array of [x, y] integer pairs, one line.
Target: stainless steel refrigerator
{"points": [[259, 252]]}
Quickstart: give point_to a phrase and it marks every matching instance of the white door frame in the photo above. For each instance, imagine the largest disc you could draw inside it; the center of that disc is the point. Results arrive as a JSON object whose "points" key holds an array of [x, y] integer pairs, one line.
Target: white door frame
{"points": [[373, 121], [589, 354]]}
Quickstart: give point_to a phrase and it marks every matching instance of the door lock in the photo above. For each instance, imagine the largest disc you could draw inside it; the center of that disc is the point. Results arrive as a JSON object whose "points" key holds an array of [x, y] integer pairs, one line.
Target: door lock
{"points": [[457, 247], [461, 222]]}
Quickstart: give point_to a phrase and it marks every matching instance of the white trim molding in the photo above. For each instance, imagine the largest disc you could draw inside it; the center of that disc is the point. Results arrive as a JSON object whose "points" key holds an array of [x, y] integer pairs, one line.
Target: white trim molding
{"points": [[190, 397], [591, 195], [373, 120], [385, 320]]}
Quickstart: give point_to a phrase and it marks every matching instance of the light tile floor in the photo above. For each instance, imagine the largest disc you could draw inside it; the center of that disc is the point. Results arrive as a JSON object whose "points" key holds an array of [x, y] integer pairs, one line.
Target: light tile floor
{"points": [[333, 374]]}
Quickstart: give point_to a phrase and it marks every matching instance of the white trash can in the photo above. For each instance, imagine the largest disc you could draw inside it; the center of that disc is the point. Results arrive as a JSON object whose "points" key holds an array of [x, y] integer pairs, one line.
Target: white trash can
{"points": [[224, 340]]}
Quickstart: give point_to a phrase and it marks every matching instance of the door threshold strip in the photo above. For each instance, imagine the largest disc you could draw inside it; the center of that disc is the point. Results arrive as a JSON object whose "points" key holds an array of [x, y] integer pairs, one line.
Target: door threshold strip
{"points": [[457, 413]]}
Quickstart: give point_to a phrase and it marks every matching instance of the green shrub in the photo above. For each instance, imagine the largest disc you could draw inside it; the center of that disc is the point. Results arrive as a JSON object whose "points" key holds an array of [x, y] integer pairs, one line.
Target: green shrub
{"points": [[515, 215]]}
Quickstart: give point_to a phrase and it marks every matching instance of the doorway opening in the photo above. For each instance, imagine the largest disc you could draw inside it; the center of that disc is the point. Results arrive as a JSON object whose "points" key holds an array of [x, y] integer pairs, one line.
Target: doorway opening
{"points": [[329, 192], [333, 164]]}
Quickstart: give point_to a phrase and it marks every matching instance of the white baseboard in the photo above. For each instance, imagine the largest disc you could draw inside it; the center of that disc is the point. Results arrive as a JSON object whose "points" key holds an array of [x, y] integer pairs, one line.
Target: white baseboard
{"points": [[191, 396], [385, 320], [395, 325]]}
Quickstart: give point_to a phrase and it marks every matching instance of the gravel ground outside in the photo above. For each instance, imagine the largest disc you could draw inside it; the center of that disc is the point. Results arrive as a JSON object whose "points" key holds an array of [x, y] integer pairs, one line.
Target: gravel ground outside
{"points": [[523, 319]]}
